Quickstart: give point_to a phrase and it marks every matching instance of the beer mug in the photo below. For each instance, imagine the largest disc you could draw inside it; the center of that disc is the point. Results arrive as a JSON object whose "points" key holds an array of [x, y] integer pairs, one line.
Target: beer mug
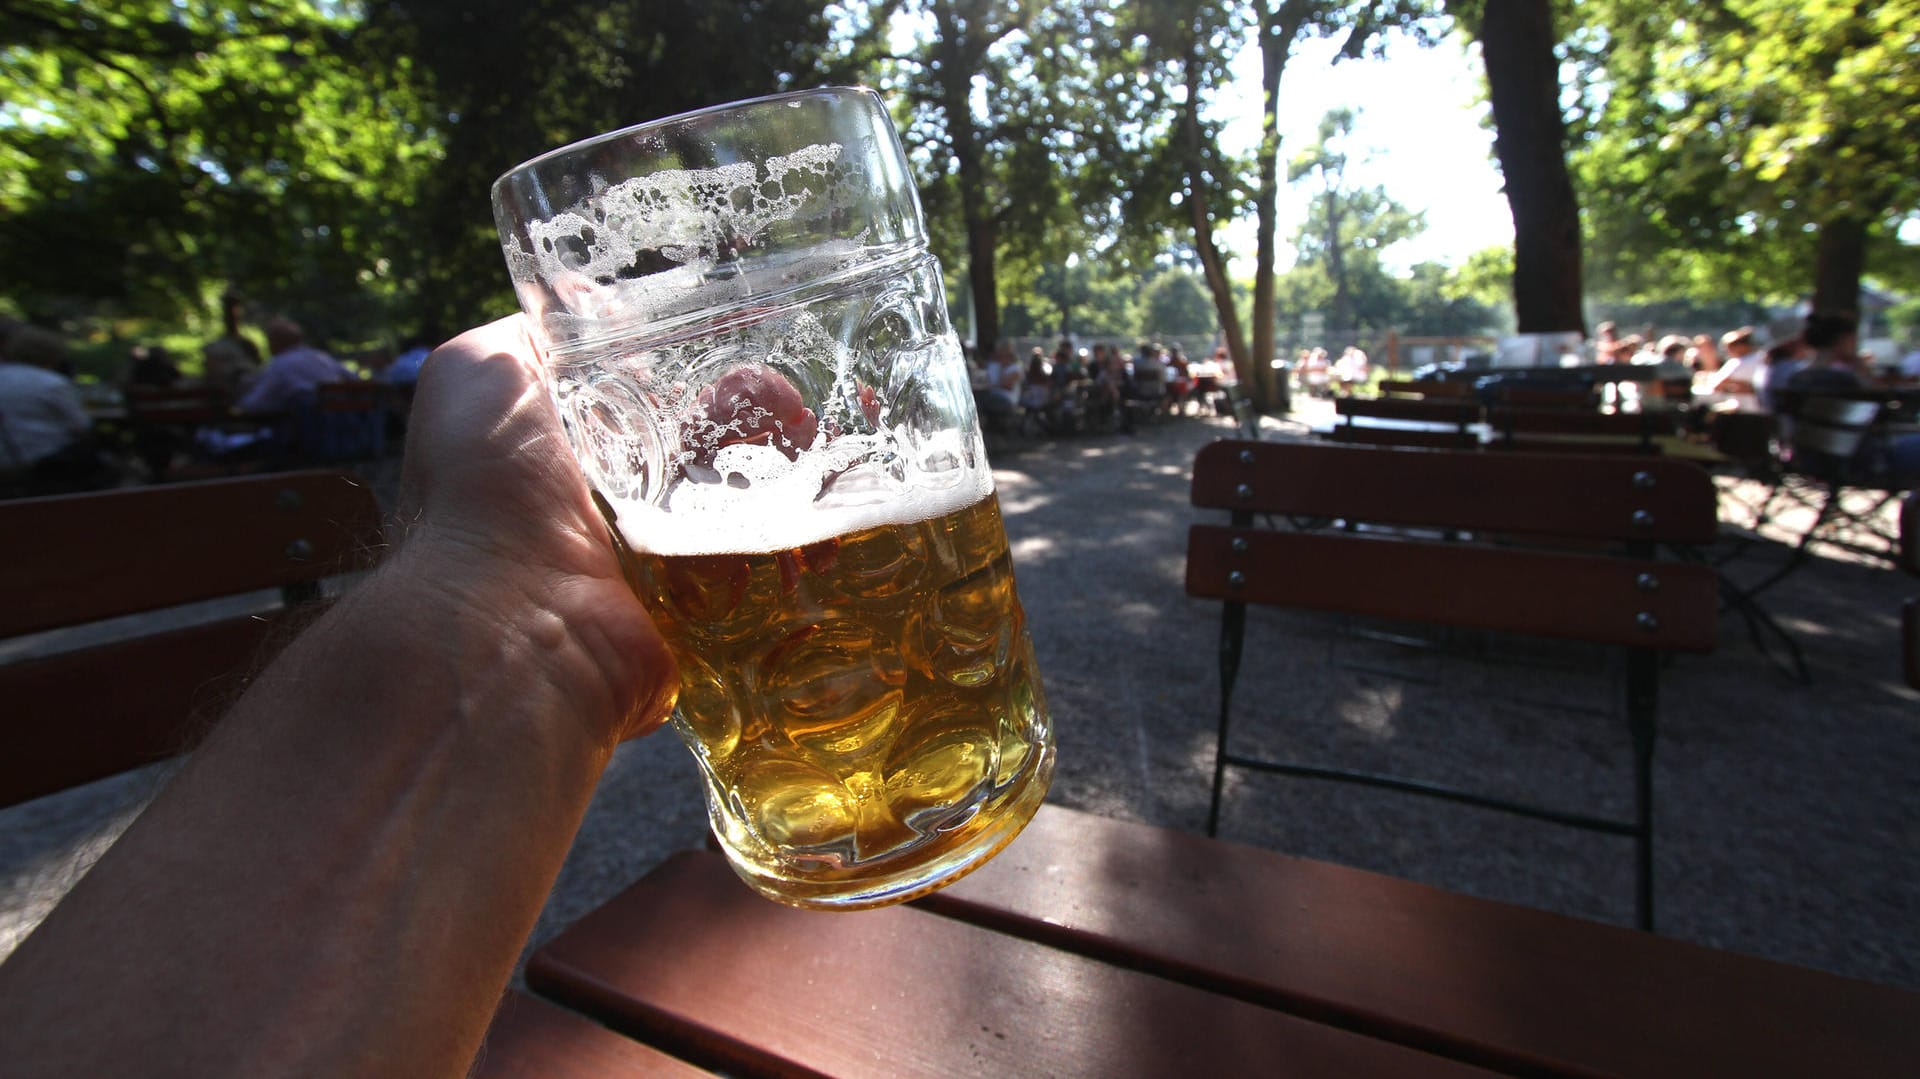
{"points": [[747, 340]]}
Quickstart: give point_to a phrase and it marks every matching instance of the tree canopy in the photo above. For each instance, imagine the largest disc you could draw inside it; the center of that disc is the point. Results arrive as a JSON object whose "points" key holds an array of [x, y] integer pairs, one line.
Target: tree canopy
{"points": [[1738, 147], [332, 158], [151, 151]]}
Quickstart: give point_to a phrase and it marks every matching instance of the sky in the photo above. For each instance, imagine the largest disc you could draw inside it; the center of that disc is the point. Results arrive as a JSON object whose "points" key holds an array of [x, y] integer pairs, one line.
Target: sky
{"points": [[1418, 132]]}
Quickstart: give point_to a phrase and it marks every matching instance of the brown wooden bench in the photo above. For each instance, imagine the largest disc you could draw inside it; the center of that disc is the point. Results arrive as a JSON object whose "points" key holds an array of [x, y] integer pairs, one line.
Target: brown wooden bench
{"points": [[1509, 988], [1601, 505], [1108, 948], [1574, 398], [1444, 424], [531, 1037], [162, 421], [1551, 430], [692, 962], [129, 695], [1426, 389], [344, 422]]}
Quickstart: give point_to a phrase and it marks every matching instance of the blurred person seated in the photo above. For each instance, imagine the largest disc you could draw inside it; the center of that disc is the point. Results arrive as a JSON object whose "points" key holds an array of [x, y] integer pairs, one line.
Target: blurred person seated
{"points": [[46, 436], [1909, 366], [1149, 381], [1783, 360], [287, 384], [1179, 378], [1736, 372], [1606, 340], [1704, 356], [998, 396], [295, 370], [1036, 389], [229, 365], [1350, 370], [1835, 368], [405, 368], [1670, 359], [1004, 375], [1044, 404], [151, 366], [1072, 372], [1315, 373]]}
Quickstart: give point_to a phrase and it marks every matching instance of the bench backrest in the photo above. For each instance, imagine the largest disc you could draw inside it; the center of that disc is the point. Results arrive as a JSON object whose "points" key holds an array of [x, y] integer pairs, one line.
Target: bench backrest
{"points": [[81, 712], [1401, 408], [1575, 398], [1588, 573], [1650, 500]]}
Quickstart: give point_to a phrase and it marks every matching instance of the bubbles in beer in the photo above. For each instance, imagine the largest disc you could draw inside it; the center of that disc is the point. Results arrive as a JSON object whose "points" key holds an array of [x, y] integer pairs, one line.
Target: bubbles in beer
{"points": [[884, 709], [834, 578], [837, 684]]}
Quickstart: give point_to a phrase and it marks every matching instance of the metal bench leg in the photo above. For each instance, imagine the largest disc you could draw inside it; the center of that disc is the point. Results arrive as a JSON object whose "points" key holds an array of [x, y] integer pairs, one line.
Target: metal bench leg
{"points": [[1643, 690], [1233, 626]]}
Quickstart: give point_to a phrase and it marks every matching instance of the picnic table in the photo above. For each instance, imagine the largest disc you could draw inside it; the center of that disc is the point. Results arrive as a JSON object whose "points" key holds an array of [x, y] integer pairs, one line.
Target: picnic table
{"points": [[1483, 433], [1106, 948]]}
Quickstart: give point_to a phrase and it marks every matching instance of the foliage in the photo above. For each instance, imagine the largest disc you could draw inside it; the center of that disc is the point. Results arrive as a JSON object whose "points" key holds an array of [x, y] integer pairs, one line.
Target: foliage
{"points": [[1023, 120], [1188, 45], [151, 152], [506, 80], [1716, 141], [1904, 319], [155, 152], [1176, 301], [1435, 301], [1347, 228]]}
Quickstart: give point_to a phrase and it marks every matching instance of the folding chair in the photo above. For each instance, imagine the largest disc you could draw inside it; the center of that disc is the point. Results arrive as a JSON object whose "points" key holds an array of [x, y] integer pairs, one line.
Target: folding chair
{"points": [[1829, 456], [1244, 415], [1644, 606]]}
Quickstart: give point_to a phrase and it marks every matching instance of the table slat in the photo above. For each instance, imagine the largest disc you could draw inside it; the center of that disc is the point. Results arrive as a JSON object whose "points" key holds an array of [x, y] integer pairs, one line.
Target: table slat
{"points": [[690, 960], [1504, 986], [531, 1037]]}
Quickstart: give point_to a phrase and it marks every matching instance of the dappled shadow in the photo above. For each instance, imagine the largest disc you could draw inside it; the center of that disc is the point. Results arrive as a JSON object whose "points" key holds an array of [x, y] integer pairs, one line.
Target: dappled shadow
{"points": [[1783, 826]]}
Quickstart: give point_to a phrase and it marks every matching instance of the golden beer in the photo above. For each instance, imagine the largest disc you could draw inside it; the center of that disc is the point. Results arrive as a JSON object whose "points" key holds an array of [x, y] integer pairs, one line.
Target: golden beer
{"points": [[746, 338], [866, 710]]}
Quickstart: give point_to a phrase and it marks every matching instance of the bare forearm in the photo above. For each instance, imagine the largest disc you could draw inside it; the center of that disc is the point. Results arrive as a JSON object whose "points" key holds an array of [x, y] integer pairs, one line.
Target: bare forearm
{"points": [[439, 762]]}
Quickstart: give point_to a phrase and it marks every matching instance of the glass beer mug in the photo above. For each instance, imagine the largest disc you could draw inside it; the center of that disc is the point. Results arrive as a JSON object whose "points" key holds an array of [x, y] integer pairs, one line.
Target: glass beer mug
{"points": [[748, 343]]}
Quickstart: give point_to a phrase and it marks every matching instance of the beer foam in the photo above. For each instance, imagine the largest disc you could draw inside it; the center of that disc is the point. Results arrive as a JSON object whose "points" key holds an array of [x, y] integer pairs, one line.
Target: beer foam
{"points": [[753, 499], [650, 240]]}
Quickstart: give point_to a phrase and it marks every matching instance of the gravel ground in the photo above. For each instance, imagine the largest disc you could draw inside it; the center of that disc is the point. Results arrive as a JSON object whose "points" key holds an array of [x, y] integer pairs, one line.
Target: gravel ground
{"points": [[1786, 827]]}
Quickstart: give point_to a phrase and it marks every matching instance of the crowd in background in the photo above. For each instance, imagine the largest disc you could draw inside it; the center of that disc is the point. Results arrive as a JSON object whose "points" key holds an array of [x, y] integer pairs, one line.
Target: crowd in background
{"points": [[50, 439], [1097, 387]]}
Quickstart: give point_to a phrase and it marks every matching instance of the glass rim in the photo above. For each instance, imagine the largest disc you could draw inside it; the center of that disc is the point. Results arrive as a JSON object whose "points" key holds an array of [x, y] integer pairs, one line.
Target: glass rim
{"points": [[709, 110]]}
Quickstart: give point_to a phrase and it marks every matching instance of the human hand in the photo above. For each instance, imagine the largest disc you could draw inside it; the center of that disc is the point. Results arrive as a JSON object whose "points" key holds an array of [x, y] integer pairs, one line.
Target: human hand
{"points": [[494, 503]]}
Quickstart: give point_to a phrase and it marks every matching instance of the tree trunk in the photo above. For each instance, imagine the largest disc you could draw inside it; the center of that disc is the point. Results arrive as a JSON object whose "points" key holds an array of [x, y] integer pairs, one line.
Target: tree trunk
{"points": [[981, 239], [1523, 81], [959, 55], [1211, 262], [1840, 258], [1278, 28], [1343, 319]]}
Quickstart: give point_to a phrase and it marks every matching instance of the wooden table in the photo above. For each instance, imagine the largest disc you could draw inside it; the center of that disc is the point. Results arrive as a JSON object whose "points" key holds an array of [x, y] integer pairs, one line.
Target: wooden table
{"points": [[1102, 948], [1678, 447]]}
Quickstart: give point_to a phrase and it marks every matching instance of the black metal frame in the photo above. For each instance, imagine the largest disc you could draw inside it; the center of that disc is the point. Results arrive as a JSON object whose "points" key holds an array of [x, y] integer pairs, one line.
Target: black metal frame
{"points": [[1642, 700]]}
